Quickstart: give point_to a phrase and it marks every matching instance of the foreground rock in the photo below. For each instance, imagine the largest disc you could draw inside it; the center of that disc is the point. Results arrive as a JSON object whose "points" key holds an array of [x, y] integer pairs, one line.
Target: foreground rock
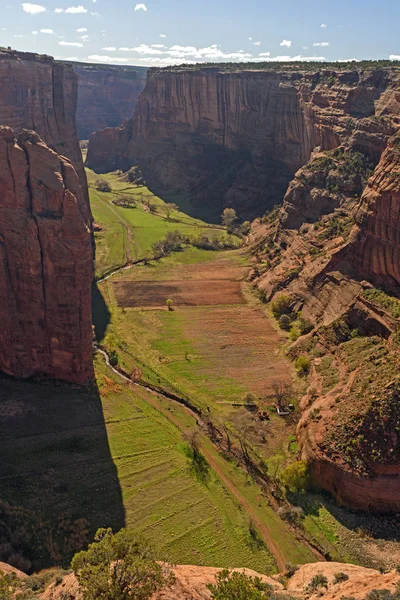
{"points": [[342, 581], [235, 138], [40, 94], [45, 263], [107, 95]]}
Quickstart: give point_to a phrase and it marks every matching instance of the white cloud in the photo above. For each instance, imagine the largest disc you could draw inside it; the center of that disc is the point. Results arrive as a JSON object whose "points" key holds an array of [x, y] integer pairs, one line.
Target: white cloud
{"points": [[140, 7], [35, 32], [250, 39], [324, 25], [33, 9], [346, 60], [74, 10], [394, 57], [106, 59], [323, 44], [287, 43], [81, 30], [110, 49], [162, 35], [84, 38], [49, 31], [124, 49], [144, 49], [59, 10], [257, 43], [158, 46], [265, 54], [75, 44]]}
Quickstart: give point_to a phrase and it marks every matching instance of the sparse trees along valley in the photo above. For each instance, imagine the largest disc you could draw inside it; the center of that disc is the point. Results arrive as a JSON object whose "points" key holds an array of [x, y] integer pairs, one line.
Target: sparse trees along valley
{"points": [[199, 331]]}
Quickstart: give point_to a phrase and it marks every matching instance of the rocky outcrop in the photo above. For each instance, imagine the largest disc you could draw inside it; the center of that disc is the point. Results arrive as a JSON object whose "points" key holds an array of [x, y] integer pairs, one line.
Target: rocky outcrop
{"points": [[107, 95], [40, 94], [45, 263], [341, 581], [374, 249], [236, 138]]}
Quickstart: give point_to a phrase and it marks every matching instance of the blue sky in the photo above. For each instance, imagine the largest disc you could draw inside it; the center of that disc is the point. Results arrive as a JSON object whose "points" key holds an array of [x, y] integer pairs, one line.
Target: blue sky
{"points": [[161, 32]]}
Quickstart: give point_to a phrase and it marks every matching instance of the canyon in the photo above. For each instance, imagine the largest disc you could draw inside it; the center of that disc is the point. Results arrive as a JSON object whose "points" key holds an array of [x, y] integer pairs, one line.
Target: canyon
{"points": [[107, 95], [45, 224], [235, 138], [325, 141]]}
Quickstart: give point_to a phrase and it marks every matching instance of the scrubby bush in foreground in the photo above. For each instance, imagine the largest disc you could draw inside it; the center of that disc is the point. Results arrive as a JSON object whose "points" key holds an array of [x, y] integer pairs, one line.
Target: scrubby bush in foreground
{"points": [[118, 566]]}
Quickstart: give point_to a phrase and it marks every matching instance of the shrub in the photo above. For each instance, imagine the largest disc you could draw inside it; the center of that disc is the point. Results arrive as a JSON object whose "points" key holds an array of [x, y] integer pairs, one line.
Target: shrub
{"points": [[169, 303], [294, 334], [238, 586], [229, 218], [295, 477], [113, 358], [102, 185], [302, 364], [305, 326], [171, 243], [340, 577], [119, 566], [281, 306], [284, 322], [317, 581]]}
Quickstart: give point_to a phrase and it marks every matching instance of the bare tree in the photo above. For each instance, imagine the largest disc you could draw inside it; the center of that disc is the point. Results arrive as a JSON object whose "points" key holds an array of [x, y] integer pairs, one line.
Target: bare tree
{"points": [[168, 208], [282, 392]]}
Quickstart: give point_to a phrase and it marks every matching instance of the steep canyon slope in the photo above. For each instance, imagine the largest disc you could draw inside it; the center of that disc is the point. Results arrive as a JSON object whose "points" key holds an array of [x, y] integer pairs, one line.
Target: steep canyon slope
{"points": [[45, 223], [107, 95], [40, 94], [46, 263], [235, 138]]}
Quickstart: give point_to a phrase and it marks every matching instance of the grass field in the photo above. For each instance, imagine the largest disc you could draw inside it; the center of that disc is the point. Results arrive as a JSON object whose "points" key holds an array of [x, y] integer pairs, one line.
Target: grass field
{"points": [[128, 233]]}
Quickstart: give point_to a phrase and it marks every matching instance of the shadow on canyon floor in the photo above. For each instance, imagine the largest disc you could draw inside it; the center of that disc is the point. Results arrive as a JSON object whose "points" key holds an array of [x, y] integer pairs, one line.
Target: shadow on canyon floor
{"points": [[101, 316], [367, 525], [58, 482]]}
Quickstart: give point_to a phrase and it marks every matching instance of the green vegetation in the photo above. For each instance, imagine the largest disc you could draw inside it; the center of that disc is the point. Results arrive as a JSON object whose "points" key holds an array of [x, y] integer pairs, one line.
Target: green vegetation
{"points": [[239, 586], [118, 566], [389, 303], [134, 223], [295, 476]]}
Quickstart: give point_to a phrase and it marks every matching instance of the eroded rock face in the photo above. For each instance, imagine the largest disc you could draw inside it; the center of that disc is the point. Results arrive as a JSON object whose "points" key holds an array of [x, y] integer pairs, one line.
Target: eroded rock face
{"points": [[107, 96], [40, 94], [236, 138], [375, 247], [45, 263]]}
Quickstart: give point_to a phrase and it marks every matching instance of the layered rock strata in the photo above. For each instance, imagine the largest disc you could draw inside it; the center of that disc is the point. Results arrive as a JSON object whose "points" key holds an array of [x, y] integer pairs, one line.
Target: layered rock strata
{"points": [[45, 263], [40, 94], [236, 138], [107, 96]]}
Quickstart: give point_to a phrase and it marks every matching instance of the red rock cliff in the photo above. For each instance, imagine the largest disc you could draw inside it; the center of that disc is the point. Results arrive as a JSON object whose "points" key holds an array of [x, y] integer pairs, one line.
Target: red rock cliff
{"points": [[236, 138], [40, 94], [107, 96], [45, 263]]}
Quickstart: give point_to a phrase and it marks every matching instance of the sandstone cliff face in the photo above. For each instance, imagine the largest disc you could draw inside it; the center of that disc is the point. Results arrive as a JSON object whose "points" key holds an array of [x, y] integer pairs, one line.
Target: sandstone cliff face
{"points": [[45, 263], [40, 94], [107, 96], [375, 247], [236, 138]]}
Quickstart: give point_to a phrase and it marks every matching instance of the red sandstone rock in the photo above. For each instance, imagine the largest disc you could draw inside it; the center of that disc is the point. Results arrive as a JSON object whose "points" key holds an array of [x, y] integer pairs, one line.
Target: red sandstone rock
{"points": [[107, 96], [236, 138], [45, 263], [40, 94]]}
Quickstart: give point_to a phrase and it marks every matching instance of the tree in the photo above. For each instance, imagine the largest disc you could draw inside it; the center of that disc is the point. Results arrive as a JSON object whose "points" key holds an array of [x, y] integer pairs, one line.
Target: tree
{"points": [[168, 208], [118, 566], [229, 218], [239, 586], [113, 358], [282, 392], [169, 303], [295, 477], [102, 185]]}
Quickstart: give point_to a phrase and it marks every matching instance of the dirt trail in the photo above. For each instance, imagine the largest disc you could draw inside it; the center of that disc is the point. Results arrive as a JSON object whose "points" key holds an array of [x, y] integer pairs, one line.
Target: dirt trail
{"points": [[153, 400]]}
